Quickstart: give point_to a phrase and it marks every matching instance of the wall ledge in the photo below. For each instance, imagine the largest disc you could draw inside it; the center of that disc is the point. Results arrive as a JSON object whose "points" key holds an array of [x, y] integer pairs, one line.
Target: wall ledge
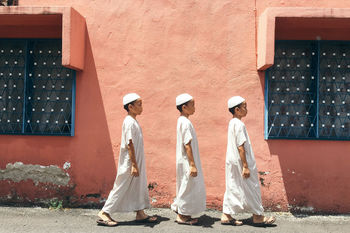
{"points": [[73, 30], [267, 26]]}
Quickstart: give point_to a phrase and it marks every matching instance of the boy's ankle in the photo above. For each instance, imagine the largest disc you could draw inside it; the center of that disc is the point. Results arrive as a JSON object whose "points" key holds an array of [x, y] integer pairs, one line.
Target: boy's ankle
{"points": [[258, 217], [226, 216], [140, 214], [101, 212], [182, 217]]}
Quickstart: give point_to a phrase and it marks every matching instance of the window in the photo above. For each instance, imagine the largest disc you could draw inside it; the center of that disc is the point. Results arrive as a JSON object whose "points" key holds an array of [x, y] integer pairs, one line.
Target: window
{"points": [[307, 91], [37, 94]]}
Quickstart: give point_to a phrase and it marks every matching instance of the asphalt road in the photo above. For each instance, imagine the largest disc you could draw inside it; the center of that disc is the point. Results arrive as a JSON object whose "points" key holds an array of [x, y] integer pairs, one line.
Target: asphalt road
{"points": [[41, 220]]}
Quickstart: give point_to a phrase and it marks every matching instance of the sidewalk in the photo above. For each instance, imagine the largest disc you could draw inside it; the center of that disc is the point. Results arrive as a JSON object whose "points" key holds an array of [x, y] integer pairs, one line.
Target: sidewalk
{"points": [[41, 220]]}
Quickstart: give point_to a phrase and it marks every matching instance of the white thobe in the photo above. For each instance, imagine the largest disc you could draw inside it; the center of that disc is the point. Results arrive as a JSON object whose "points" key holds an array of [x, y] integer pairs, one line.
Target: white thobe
{"points": [[129, 193], [190, 191], [242, 194]]}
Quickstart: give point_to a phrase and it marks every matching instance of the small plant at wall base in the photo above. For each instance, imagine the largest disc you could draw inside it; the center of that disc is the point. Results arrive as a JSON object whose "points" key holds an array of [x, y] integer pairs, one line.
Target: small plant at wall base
{"points": [[55, 204], [8, 2]]}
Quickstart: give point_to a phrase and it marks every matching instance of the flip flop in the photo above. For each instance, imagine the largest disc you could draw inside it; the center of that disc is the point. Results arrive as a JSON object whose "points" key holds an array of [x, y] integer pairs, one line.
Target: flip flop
{"points": [[267, 222], [232, 222], [189, 221], [107, 223], [146, 220]]}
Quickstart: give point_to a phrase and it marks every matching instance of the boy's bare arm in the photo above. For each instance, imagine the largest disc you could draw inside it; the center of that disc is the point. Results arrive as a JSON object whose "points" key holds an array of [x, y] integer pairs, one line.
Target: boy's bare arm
{"points": [[245, 170], [193, 168], [134, 168]]}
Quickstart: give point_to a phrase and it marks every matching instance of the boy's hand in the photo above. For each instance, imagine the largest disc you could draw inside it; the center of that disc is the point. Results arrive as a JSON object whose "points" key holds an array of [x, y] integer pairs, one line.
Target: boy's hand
{"points": [[134, 171], [193, 171], [245, 172]]}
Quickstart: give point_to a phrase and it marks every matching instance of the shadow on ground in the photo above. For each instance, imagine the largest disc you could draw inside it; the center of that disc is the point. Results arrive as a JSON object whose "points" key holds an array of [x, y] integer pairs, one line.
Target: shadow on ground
{"points": [[135, 223], [249, 222], [207, 221]]}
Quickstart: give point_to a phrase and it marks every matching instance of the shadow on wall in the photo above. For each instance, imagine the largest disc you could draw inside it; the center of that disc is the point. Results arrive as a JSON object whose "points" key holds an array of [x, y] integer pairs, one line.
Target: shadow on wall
{"points": [[95, 169], [89, 153], [315, 174]]}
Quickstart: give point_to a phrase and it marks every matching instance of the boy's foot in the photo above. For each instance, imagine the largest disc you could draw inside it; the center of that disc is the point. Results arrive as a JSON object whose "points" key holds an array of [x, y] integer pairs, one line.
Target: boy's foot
{"points": [[260, 220], [226, 219], [107, 223], [142, 217], [232, 222], [186, 220], [106, 220], [148, 219]]}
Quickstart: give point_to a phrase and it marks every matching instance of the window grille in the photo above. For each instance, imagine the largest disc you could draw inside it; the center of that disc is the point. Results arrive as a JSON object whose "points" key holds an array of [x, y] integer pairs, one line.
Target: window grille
{"points": [[37, 94], [8, 2], [307, 91]]}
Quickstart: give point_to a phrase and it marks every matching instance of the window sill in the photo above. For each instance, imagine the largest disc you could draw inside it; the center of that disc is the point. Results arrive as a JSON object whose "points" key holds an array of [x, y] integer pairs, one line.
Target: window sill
{"points": [[337, 21], [48, 22]]}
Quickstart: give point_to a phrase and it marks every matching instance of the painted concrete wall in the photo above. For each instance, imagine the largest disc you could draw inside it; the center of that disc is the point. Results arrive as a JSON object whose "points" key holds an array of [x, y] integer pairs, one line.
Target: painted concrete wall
{"points": [[160, 49]]}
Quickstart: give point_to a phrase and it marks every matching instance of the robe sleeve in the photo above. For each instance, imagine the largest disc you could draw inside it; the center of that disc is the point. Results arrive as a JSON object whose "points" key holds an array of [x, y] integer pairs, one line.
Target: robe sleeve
{"points": [[186, 133], [128, 134], [239, 135]]}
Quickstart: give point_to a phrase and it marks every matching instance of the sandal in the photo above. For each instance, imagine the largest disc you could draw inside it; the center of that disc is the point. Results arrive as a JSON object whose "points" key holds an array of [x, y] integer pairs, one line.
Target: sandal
{"points": [[107, 223], [266, 222], [232, 222], [190, 221], [148, 219]]}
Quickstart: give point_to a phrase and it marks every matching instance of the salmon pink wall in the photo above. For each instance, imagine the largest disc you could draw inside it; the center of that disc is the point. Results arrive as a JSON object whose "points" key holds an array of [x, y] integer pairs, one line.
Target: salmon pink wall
{"points": [[160, 49]]}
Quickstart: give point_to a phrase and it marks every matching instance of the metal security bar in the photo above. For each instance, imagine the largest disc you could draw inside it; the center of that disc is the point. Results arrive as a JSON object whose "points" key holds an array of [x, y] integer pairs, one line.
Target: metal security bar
{"points": [[12, 77], [334, 90], [36, 92], [307, 91]]}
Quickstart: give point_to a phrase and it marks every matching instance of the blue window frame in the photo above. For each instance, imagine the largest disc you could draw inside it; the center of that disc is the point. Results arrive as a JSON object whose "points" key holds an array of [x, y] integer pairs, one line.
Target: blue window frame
{"points": [[37, 94], [307, 91]]}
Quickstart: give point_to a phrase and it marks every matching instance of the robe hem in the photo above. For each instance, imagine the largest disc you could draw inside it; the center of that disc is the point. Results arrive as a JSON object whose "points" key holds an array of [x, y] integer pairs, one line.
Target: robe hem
{"points": [[177, 209], [126, 210], [242, 212]]}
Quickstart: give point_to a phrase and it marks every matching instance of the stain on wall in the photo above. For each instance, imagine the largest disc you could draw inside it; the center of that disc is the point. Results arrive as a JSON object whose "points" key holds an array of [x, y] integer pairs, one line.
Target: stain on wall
{"points": [[37, 173]]}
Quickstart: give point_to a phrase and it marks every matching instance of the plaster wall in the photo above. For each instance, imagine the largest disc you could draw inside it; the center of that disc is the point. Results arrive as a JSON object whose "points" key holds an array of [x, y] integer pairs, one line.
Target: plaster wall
{"points": [[160, 49]]}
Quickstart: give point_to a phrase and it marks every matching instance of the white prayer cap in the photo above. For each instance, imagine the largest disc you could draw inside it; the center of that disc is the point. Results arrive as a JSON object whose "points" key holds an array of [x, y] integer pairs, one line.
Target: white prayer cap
{"points": [[128, 98], [183, 98], [234, 101]]}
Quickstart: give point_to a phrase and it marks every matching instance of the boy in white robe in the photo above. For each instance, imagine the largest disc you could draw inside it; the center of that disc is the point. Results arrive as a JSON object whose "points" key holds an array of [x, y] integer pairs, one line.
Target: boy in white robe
{"points": [[130, 192], [190, 189], [242, 183]]}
